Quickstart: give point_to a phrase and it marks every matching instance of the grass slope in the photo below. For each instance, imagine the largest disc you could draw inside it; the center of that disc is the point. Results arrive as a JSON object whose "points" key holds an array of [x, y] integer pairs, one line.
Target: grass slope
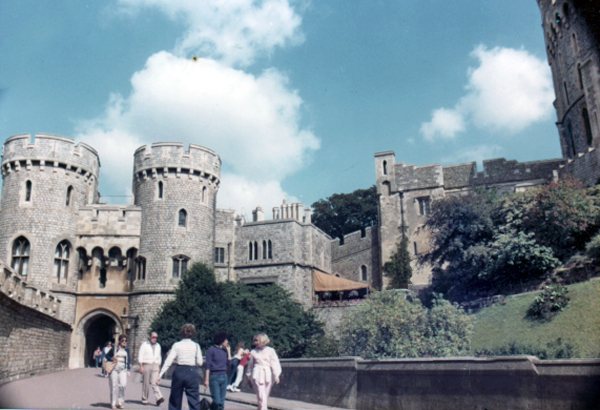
{"points": [[578, 324]]}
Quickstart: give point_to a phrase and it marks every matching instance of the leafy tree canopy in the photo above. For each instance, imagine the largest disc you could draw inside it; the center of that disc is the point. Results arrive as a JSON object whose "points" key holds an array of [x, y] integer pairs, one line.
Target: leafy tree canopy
{"points": [[392, 325], [341, 214], [240, 310]]}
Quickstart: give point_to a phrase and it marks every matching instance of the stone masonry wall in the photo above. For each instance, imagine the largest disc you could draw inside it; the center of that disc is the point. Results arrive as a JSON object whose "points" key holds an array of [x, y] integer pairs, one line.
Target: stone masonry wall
{"points": [[357, 251]]}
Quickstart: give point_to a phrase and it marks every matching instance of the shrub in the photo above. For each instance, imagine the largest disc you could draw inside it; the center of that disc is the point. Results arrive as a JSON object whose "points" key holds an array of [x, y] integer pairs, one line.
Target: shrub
{"points": [[549, 302], [592, 248], [325, 346], [393, 324], [552, 350]]}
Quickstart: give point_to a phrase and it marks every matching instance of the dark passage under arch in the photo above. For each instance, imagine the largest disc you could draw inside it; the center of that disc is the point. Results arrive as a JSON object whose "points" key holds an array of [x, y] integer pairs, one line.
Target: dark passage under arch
{"points": [[98, 331]]}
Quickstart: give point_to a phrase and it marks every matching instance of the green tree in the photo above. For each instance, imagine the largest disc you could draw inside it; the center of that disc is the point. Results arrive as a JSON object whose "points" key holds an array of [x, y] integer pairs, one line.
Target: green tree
{"points": [[391, 324], [238, 309], [341, 214], [398, 267]]}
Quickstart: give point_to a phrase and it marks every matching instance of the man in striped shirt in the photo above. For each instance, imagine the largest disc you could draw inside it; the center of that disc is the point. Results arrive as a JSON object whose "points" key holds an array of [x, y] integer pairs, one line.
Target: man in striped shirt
{"points": [[188, 356]]}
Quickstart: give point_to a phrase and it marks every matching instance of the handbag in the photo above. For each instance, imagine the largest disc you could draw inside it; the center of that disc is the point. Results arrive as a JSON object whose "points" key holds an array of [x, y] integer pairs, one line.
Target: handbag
{"points": [[205, 404], [109, 366]]}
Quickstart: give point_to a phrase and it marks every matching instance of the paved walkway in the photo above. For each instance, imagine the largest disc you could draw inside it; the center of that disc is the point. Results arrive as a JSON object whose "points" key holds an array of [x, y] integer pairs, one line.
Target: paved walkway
{"points": [[87, 389]]}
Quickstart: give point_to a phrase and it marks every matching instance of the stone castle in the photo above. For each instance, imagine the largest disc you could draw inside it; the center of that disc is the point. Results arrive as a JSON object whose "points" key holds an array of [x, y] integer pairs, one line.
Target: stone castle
{"points": [[97, 270]]}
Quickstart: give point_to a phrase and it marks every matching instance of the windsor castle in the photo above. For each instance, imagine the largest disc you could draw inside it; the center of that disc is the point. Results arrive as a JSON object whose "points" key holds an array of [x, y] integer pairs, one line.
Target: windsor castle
{"points": [[81, 271]]}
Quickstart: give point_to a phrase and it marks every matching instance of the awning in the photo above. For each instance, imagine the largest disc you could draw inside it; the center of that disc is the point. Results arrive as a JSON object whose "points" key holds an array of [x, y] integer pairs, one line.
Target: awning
{"points": [[329, 283]]}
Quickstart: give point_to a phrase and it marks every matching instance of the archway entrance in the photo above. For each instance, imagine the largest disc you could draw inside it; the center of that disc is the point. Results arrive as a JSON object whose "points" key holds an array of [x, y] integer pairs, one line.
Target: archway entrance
{"points": [[98, 331]]}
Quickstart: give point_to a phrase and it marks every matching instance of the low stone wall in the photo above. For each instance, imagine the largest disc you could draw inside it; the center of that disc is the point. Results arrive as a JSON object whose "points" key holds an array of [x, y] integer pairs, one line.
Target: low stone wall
{"points": [[32, 340], [519, 382]]}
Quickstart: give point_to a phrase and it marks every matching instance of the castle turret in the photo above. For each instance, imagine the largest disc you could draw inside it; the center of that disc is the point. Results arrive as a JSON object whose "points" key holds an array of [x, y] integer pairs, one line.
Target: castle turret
{"points": [[45, 182], [176, 190]]}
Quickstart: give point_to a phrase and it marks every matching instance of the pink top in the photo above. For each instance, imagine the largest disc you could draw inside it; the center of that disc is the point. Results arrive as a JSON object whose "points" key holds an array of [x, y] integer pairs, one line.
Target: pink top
{"points": [[263, 365]]}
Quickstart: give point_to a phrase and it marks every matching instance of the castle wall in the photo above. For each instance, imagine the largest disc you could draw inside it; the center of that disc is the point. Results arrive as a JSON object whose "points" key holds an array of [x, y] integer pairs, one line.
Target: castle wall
{"points": [[225, 239], [356, 252]]}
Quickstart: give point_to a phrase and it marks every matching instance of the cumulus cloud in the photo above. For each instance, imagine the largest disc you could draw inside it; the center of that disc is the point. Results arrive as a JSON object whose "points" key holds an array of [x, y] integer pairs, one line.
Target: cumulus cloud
{"points": [[252, 122], [233, 31], [509, 90]]}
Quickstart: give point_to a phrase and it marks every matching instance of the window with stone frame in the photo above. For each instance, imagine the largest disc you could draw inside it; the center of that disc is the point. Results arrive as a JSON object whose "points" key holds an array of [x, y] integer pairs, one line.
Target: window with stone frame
{"points": [[219, 255], [264, 250], [20, 256], [250, 251], [270, 249], [255, 251], [182, 218], [363, 273], [160, 190], [424, 205], [61, 262], [140, 264], [28, 189], [180, 263], [69, 196]]}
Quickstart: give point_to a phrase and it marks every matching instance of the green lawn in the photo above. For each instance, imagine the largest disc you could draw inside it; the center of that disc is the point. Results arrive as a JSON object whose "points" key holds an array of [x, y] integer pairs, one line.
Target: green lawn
{"points": [[578, 324]]}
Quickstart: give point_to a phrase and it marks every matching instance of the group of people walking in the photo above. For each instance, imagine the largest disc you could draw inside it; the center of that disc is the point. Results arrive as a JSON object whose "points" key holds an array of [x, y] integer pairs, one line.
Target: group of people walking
{"points": [[261, 366]]}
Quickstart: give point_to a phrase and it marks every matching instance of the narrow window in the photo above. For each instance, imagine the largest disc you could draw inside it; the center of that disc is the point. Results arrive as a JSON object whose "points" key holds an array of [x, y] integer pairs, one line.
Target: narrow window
{"points": [[203, 194], [69, 193], [160, 190], [579, 76], [575, 44], [20, 256], [255, 251], [264, 250], [219, 255], [182, 217], [424, 206], [363, 273], [384, 167], [587, 125], [28, 187], [61, 262], [416, 248], [102, 278], [180, 266], [270, 249], [250, 252], [141, 268]]}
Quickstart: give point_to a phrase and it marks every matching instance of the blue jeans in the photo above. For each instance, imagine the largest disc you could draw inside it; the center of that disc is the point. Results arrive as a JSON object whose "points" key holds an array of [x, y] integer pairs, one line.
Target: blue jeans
{"points": [[234, 366], [218, 390]]}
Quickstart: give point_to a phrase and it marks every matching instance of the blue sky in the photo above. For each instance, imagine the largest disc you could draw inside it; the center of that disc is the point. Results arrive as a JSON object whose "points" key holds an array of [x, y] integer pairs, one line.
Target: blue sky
{"points": [[295, 96]]}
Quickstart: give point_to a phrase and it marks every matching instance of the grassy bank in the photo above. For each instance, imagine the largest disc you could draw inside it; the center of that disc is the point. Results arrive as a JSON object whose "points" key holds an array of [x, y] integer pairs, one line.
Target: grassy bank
{"points": [[578, 325]]}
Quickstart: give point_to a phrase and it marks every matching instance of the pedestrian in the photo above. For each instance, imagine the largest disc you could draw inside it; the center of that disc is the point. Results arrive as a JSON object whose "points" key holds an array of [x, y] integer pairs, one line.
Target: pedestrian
{"points": [[188, 357], [240, 371], [263, 369], [118, 377], [107, 347], [97, 356], [238, 352], [218, 357], [150, 359]]}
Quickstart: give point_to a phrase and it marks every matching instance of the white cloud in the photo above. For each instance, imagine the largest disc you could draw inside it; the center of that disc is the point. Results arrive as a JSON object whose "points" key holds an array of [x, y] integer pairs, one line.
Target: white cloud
{"points": [[232, 31], [509, 90], [476, 153], [250, 121]]}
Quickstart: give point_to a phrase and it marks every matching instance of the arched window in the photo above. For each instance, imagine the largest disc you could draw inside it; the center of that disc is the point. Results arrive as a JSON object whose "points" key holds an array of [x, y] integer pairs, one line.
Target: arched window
{"points": [[264, 250], [69, 193], [384, 167], [160, 190], [587, 125], [182, 217], [363, 273], [20, 256], [180, 263], [255, 251], [61, 262], [250, 251], [140, 268], [270, 250], [28, 188], [203, 194]]}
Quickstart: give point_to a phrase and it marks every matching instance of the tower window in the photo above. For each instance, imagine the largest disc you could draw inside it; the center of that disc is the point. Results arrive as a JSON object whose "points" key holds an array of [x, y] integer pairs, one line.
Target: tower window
{"points": [[250, 251], [180, 263], [424, 206], [219, 255], [69, 193], [203, 194], [270, 249], [255, 251], [264, 250], [102, 278], [160, 190], [28, 188], [141, 268], [363, 273], [61, 262], [182, 217], [20, 256], [384, 167], [587, 125]]}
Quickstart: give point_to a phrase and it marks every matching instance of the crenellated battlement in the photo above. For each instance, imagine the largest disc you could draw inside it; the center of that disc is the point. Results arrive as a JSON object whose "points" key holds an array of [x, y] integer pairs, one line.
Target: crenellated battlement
{"points": [[171, 158], [50, 151]]}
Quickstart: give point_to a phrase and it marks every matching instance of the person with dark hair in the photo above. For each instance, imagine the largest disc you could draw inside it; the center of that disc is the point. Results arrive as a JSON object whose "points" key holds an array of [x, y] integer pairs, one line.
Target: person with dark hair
{"points": [[188, 356], [218, 357], [118, 377]]}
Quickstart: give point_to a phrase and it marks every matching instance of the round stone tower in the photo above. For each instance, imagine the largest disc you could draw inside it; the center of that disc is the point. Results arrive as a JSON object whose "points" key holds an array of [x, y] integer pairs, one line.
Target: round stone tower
{"points": [[45, 182], [177, 191]]}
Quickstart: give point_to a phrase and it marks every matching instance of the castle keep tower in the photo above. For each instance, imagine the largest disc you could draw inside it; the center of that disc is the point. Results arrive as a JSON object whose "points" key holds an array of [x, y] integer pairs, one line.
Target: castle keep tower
{"points": [[45, 182], [572, 44], [176, 190]]}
